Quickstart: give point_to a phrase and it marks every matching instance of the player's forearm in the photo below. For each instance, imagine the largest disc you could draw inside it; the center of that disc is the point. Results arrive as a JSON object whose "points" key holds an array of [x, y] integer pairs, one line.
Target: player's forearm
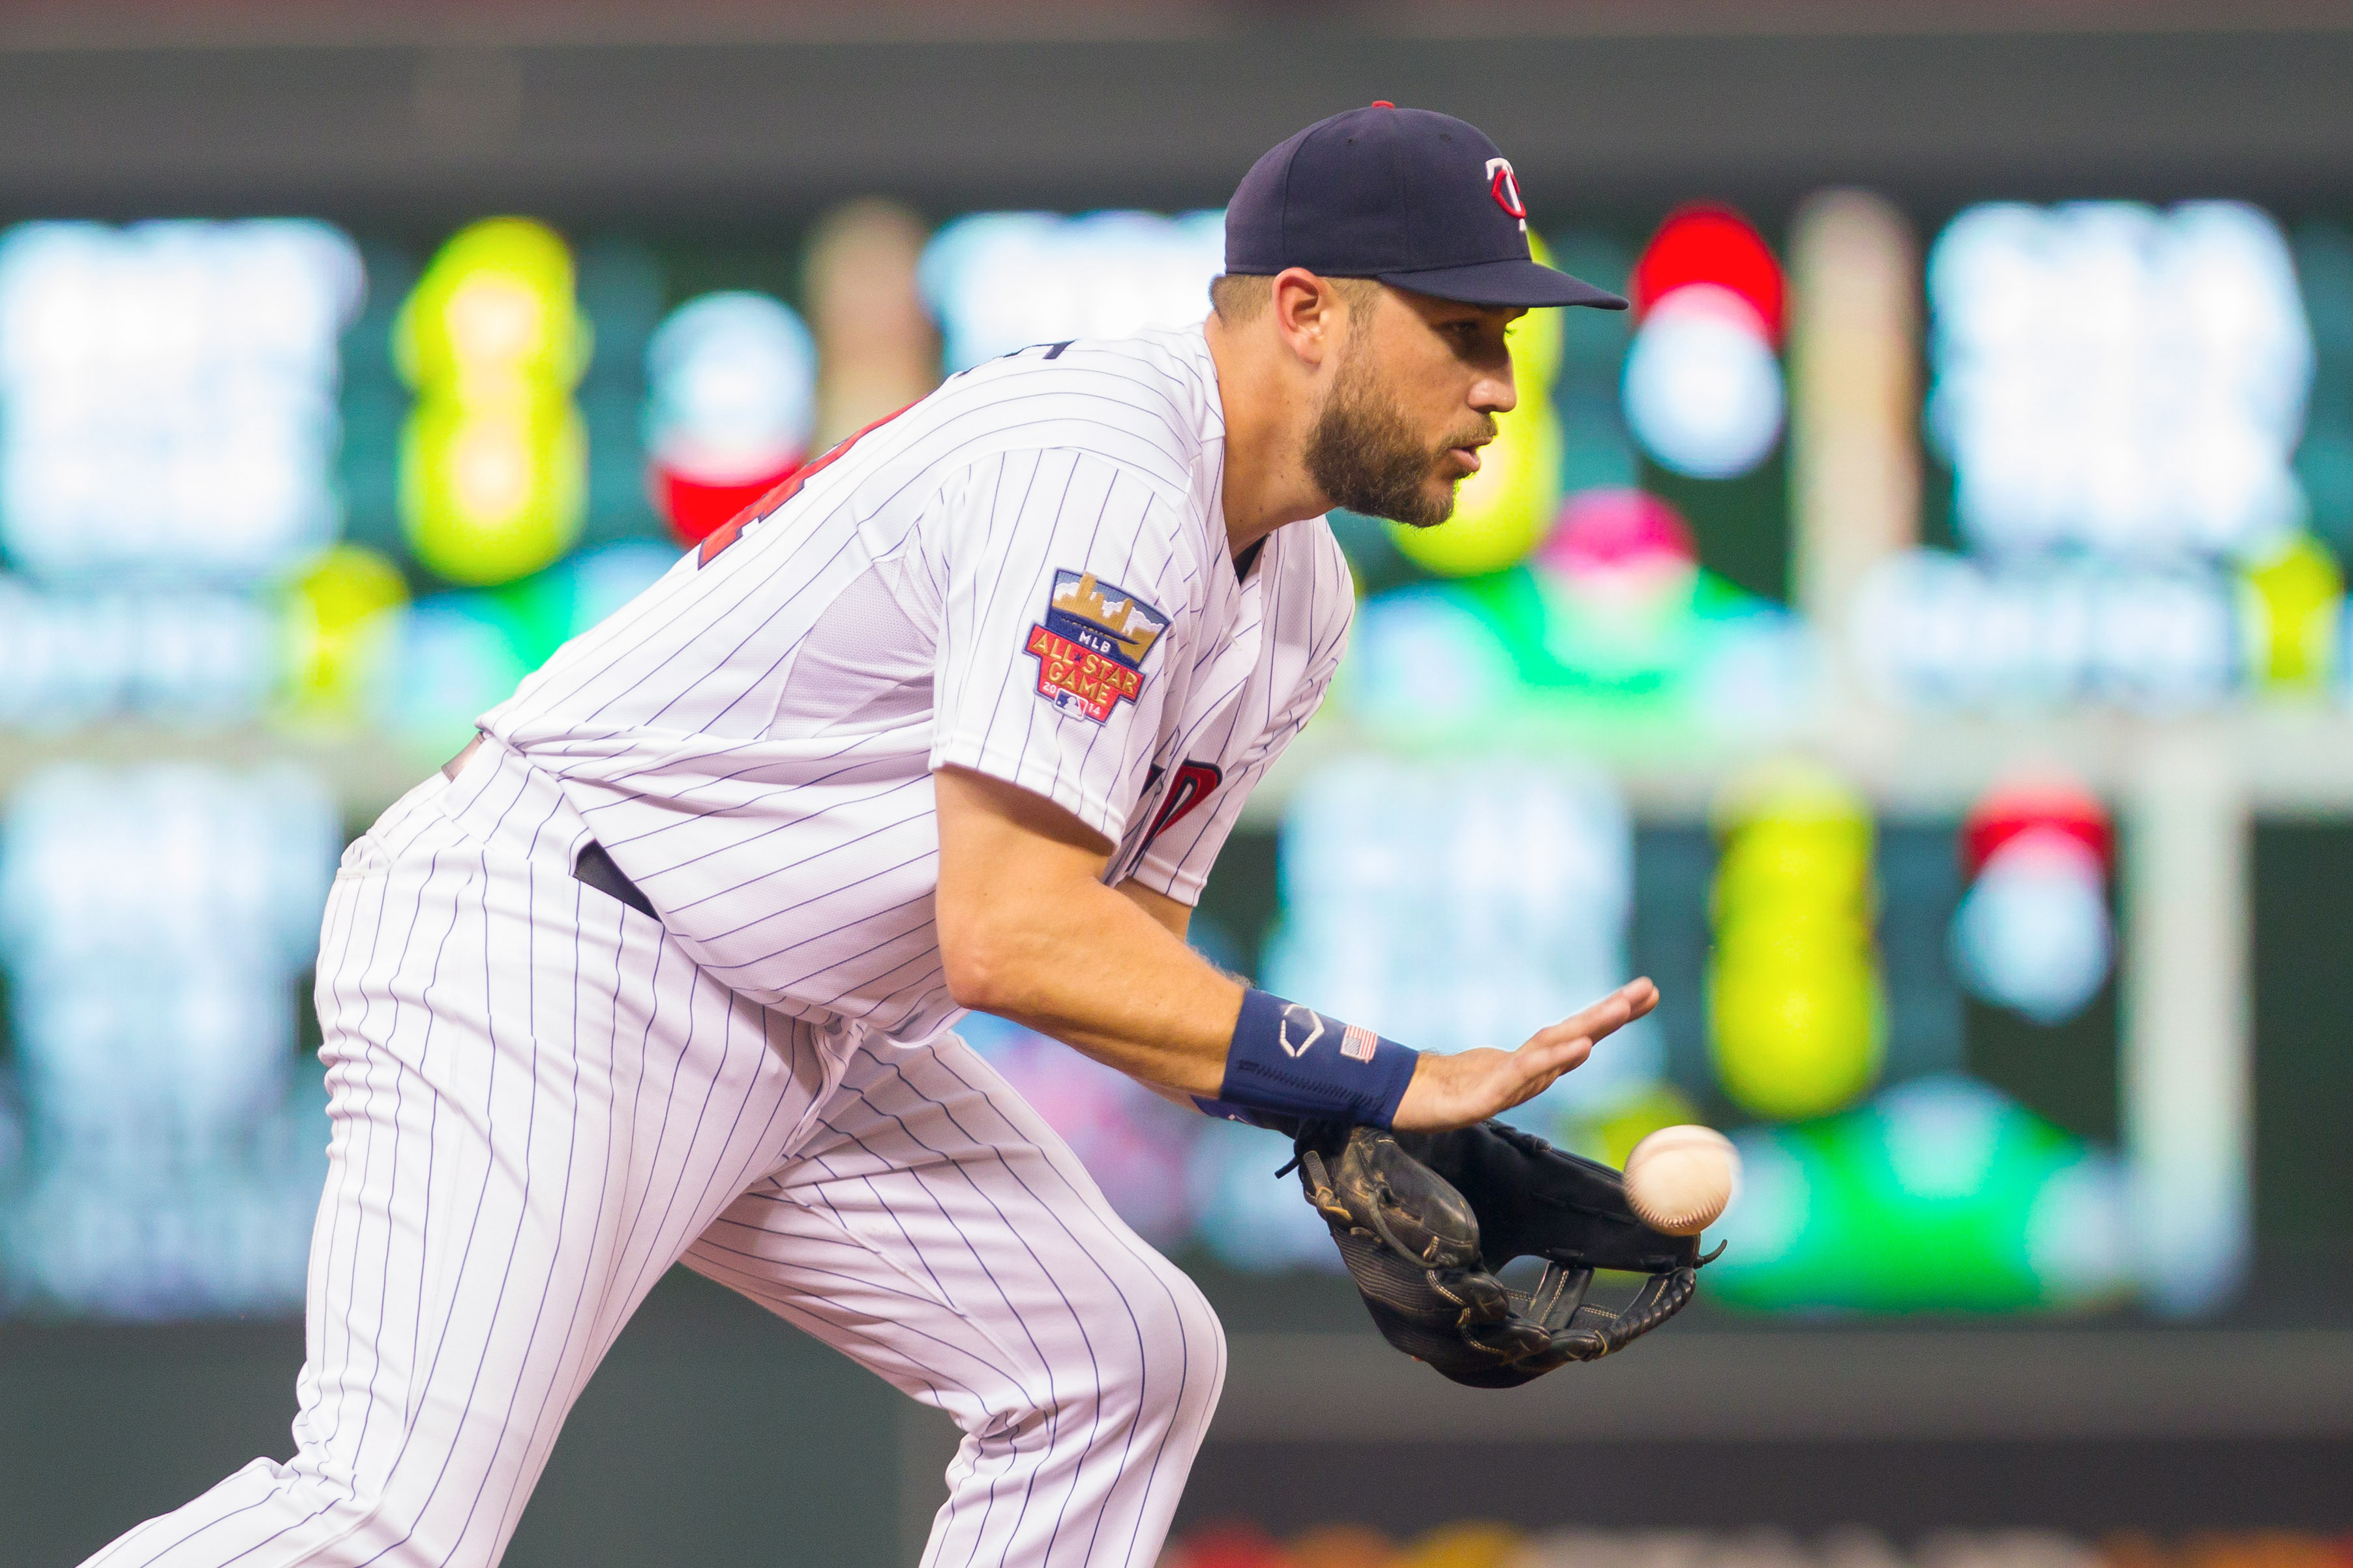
{"points": [[1095, 970], [1027, 931]]}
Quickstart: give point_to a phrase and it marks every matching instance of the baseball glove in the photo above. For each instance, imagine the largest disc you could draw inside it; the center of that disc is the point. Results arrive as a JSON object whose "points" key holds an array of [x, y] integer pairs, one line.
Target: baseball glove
{"points": [[1425, 1219]]}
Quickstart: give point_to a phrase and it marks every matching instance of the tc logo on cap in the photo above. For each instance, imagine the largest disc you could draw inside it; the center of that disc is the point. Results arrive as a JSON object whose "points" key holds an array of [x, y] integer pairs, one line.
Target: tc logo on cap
{"points": [[1396, 195], [1504, 187]]}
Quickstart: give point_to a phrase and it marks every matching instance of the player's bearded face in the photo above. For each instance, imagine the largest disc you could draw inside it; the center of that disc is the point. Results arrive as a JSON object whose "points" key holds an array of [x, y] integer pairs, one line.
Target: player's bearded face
{"points": [[1364, 454]]}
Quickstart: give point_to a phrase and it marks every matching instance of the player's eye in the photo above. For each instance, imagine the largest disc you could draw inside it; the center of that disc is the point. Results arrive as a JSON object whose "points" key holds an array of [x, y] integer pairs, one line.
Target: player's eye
{"points": [[1474, 340]]}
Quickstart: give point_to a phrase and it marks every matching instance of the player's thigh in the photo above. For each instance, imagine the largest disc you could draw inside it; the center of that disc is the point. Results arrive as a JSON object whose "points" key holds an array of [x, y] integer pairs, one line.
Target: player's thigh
{"points": [[537, 1102], [936, 1228]]}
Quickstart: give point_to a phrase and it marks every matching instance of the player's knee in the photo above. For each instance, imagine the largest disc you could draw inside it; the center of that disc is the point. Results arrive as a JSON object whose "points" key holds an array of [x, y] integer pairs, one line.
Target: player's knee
{"points": [[334, 1516], [1177, 1361]]}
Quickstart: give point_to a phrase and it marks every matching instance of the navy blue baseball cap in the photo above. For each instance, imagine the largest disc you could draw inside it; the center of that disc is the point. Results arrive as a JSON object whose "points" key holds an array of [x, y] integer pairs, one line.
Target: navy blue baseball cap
{"points": [[1408, 195]]}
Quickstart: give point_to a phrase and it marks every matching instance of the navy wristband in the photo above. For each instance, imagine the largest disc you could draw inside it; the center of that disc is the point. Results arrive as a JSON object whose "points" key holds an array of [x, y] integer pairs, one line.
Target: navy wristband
{"points": [[1290, 1059], [1226, 1110]]}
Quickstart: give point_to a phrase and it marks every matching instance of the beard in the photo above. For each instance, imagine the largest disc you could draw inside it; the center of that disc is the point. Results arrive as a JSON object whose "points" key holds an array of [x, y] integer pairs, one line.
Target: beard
{"points": [[1362, 453]]}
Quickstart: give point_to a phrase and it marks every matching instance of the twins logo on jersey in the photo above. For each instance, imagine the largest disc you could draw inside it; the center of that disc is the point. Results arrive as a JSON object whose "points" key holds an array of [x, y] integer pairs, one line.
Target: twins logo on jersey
{"points": [[1089, 647], [1193, 783]]}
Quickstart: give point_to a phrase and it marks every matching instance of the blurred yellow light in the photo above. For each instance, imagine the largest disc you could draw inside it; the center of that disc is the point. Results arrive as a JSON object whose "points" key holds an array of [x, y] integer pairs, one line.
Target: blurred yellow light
{"points": [[495, 320], [1502, 512], [1796, 1017], [1470, 1544], [495, 303], [490, 495], [2292, 595], [493, 474], [1774, 864], [1796, 934], [338, 617], [1795, 1041], [489, 465]]}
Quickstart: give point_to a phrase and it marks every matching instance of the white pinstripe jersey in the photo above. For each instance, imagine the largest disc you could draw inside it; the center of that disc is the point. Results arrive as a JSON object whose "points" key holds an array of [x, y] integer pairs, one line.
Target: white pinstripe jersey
{"points": [[1025, 573]]}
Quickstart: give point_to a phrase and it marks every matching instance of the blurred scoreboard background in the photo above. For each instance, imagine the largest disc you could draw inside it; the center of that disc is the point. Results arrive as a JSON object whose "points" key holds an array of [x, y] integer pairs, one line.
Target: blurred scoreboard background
{"points": [[1887, 635], [1915, 634]]}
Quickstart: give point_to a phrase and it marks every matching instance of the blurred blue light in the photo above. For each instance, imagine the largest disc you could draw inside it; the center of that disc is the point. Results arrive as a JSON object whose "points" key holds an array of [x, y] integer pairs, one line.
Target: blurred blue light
{"points": [[152, 923], [2116, 379], [1702, 388], [732, 381], [1455, 905], [167, 395], [2032, 934], [1000, 281]]}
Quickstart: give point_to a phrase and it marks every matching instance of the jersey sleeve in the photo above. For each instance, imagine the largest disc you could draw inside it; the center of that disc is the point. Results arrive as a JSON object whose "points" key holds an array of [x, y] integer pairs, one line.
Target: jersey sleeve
{"points": [[1066, 590], [1176, 860]]}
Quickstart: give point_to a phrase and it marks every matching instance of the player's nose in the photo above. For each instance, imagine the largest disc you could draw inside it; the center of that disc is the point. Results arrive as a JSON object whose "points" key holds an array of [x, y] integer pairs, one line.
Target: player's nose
{"points": [[1495, 392]]}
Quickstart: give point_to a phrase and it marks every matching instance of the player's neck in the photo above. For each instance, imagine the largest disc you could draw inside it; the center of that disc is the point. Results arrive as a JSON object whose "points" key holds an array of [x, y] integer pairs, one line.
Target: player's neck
{"points": [[1268, 408]]}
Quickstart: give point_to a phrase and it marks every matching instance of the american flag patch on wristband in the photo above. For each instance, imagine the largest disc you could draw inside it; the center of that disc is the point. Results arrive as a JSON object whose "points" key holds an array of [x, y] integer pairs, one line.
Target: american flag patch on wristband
{"points": [[1357, 1042]]}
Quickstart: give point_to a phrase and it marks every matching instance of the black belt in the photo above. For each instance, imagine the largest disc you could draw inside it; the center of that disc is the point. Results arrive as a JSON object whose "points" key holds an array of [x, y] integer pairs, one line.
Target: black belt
{"points": [[595, 867], [592, 865]]}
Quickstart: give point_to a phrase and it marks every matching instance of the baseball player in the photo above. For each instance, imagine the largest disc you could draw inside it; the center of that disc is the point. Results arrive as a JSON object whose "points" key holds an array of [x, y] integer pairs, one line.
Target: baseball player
{"points": [[663, 967]]}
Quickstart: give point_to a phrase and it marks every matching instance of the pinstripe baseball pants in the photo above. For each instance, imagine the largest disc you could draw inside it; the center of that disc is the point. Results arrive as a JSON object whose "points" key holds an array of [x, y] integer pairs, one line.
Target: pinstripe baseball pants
{"points": [[540, 1104]]}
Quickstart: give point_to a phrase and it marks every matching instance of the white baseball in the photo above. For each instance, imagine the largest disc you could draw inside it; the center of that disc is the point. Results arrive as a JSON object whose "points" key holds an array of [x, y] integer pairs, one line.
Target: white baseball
{"points": [[1679, 1179]]}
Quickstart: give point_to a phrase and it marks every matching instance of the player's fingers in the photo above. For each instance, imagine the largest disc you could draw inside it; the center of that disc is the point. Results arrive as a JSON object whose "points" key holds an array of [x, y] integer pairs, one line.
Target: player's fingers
{"points": [[1539, 1072], [1593, 1023], [1613, 1012], [1605, 1017], [1455, 1090], [1536, 1065]]}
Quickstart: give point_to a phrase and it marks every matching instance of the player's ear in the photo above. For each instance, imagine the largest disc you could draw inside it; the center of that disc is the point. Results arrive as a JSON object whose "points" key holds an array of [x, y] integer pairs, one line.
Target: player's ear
{"points": [[1309, 314]]}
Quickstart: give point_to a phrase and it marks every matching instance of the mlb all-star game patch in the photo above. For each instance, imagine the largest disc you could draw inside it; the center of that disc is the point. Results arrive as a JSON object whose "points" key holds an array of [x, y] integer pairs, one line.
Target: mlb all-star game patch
{"points": [[1089, 647]]}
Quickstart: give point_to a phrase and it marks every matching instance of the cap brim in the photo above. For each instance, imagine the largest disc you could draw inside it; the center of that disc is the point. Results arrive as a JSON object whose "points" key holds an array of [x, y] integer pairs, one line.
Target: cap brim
{"points": [[1509, 282]]}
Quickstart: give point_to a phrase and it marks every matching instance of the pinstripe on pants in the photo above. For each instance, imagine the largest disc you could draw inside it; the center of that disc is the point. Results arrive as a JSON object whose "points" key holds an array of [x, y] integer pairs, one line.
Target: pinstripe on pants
{"points": [[540, 1103]]}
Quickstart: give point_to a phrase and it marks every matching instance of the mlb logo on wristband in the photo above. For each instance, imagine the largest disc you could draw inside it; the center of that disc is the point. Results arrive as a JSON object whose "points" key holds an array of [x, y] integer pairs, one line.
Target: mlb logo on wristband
{"points": [[1357, 1043]]}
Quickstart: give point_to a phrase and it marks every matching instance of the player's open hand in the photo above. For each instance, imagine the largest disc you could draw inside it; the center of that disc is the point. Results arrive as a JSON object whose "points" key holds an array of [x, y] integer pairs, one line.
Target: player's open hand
{"points": [[1449, 1091]]}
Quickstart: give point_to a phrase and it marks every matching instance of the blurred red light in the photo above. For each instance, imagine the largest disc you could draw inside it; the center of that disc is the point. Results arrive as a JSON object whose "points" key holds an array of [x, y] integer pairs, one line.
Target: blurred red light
{"points": [[1704, 244], [695, 507], [2007, 810], [1228, 1546]]}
